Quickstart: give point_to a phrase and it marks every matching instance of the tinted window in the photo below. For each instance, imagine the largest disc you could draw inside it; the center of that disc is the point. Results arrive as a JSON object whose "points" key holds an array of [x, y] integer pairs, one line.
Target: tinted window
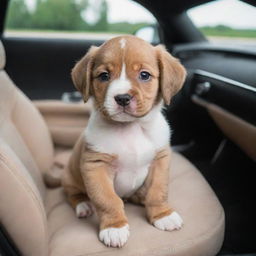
{"points": [[228, 21], [89, 19]]}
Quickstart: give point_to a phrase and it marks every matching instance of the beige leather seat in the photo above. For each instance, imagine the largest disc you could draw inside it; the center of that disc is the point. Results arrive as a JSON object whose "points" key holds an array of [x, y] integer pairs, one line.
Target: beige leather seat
{"points": [[40, 221]]}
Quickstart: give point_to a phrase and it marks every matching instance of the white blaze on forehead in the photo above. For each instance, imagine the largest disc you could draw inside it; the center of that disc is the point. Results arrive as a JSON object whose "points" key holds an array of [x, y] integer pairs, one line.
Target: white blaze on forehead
{"points": [[123, 73], [122, 85], [122, 43], [119, 86]]}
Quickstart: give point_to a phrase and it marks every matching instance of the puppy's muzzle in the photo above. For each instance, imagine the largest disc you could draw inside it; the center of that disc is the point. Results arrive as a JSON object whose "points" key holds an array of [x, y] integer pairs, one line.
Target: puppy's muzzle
{"points": [[123, 99]]}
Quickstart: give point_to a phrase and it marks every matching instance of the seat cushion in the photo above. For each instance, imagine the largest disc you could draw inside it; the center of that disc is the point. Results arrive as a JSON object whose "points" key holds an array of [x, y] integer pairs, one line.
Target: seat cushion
{"points": [[189, 194], [26, 150]]}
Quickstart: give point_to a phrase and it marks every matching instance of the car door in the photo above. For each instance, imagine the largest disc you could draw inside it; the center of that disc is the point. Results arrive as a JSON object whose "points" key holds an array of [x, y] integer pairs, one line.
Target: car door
{"points": [[214, 118]]}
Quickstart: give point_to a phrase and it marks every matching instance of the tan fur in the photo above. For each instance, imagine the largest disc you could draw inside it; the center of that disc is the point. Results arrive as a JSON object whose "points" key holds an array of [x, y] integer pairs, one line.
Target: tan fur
{"points": [[89, 174], [81, 73], [164, 68], [172, 73]]}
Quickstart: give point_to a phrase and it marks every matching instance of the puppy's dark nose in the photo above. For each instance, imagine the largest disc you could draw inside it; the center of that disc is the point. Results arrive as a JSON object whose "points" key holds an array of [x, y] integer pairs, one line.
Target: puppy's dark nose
{"points": [[123, 99]]}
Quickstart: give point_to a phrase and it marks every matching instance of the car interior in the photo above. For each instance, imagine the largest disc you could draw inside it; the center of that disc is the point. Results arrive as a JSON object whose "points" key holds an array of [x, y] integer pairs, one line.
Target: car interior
{"points": [[213, 123]]}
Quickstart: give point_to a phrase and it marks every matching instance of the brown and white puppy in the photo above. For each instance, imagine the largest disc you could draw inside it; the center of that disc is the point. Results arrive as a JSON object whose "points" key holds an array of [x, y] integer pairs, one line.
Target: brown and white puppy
{"points": [[124, 151]]}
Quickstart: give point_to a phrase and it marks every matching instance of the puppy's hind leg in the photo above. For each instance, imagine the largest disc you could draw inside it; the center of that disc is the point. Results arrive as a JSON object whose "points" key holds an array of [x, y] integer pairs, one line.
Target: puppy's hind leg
{"points": [[154, 194], [80, 202]]}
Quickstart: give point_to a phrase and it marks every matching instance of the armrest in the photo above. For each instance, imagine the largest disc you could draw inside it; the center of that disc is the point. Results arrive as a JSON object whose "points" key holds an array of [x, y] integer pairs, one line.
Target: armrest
{"points": [[66, 121]]}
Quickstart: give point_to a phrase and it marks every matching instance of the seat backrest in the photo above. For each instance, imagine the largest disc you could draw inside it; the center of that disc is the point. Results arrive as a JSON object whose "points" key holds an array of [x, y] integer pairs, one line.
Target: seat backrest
{"points": [[26, 151]]}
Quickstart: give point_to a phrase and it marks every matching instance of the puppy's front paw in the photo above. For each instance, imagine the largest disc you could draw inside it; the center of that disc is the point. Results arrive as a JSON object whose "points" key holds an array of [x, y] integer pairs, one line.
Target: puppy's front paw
{"points": [[83, 210], [115, 237], [170, 222]]}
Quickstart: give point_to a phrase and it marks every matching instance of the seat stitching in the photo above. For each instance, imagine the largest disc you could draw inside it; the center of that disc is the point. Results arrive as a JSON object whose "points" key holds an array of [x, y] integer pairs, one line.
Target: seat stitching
{"points": [[38, 173]]}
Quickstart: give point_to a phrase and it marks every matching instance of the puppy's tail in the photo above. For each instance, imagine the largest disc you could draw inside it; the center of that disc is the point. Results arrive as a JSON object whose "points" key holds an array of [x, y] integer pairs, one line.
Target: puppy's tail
{"points": [[52, 178]]}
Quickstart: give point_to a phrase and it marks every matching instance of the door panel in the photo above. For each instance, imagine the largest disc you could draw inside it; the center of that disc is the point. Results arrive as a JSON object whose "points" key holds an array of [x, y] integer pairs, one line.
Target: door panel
{"points": [[236, 129], [216, 110], [238, 98], [229, 73]]}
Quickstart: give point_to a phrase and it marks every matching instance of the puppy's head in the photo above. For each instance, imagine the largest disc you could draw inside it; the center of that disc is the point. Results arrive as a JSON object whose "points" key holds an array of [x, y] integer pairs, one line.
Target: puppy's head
{"points": [[127, 77]]}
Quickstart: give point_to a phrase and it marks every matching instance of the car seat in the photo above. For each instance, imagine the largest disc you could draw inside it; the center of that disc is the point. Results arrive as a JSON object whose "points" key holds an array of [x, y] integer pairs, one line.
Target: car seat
{"points": [[41, 222]]}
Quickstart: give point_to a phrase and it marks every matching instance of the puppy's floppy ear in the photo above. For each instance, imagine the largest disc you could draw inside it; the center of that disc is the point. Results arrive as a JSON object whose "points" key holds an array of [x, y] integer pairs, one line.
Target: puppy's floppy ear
{"points": [[172, 74], [81, 73]]}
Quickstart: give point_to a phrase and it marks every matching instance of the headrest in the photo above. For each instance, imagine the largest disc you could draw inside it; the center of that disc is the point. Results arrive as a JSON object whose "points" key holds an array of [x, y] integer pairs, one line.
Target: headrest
{"points": [[2, 56]]}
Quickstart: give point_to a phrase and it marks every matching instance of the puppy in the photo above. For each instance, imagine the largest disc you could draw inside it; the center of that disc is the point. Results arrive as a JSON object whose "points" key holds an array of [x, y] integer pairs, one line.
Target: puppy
{"points": [[124, 151]]}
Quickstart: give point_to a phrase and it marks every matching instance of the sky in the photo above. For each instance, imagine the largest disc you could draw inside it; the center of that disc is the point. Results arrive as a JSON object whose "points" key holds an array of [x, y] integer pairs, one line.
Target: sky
{"points": [[233, 13], [128, 10]]}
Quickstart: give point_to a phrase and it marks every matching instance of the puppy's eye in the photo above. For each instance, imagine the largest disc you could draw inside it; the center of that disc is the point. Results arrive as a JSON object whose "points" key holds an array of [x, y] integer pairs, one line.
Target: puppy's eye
{"points": [[104, 76], [144, 76]]}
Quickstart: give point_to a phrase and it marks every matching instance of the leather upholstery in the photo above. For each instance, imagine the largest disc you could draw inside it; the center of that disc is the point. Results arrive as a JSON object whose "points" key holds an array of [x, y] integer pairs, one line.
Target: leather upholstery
{"points": [[201, 235], [232, 126], [41, 222], [26, 150]]}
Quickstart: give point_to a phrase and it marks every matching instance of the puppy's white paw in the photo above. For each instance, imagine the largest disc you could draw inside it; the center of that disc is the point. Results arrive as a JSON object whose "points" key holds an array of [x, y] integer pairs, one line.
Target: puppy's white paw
{"points": [[83, 210], [115, 237], [170, 222]]}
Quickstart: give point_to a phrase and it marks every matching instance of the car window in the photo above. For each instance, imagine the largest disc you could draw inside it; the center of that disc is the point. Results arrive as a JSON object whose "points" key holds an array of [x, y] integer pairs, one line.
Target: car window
{"points": [[89, 19], [228, 21]]}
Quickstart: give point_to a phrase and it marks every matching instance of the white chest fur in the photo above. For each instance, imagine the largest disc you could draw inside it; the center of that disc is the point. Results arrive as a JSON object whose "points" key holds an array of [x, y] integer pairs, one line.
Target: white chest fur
{"points": [[134, 143]]}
